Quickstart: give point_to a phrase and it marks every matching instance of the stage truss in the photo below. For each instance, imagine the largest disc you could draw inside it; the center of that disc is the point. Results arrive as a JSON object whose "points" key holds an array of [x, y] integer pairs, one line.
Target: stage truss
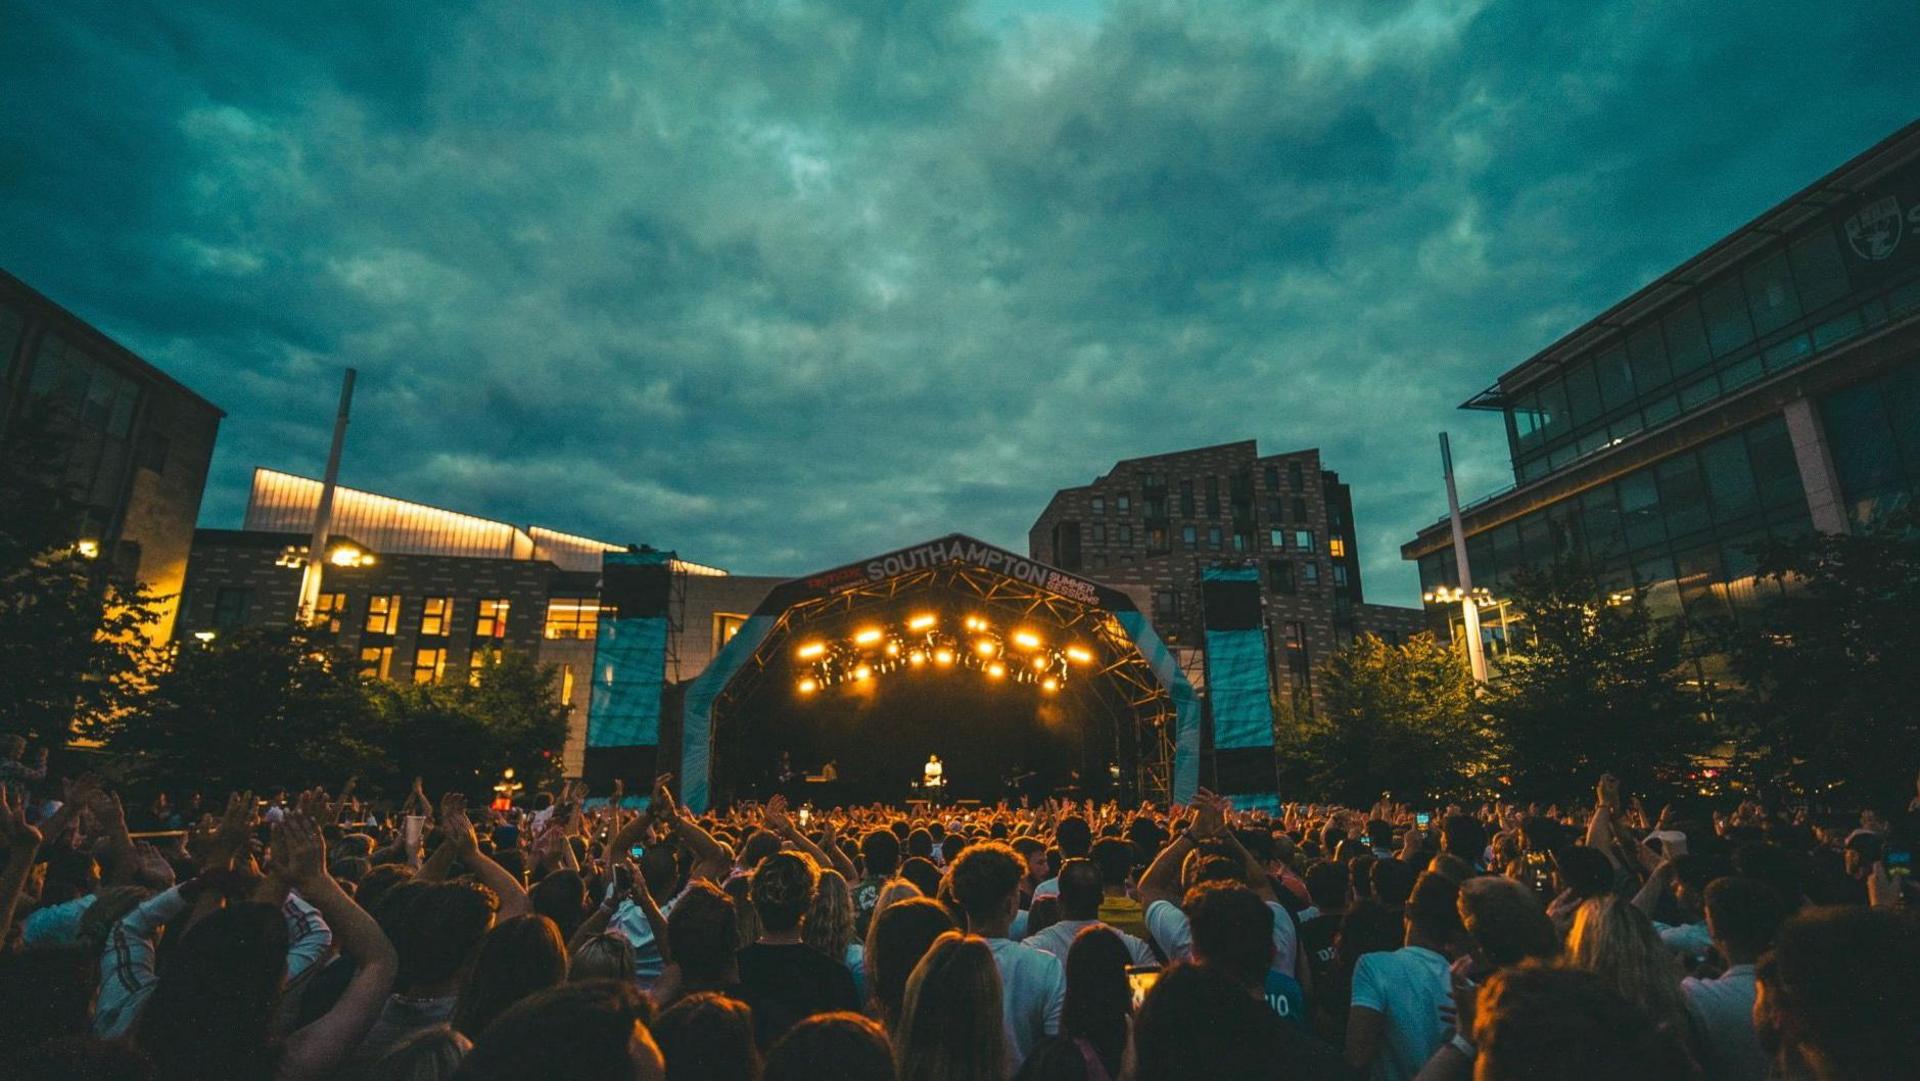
{"points": [[1128, 680]]}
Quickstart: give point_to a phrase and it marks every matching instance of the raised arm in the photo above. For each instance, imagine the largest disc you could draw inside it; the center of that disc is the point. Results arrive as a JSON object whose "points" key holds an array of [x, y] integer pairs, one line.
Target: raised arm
{"points": [[1161, 880], [710, 858], [456, 831], [781, 823], [317, 1049], [23, 846]]}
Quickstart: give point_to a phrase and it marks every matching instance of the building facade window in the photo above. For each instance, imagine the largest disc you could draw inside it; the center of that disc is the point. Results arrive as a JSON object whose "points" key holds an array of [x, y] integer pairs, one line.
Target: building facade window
{"points": [[1122, 503], [482, 658], [1242, 541], [1280, 576], [490, 617], [1213, 497], [725, 626], [376, 662], [383, 614], [573, 618], [1300, 511], [1099, 505], [436, 615], [1337, 547], [1296, 477], [1190, 537], [1099, 532], [1213, 538], [1186, 499], [429, 664], [1123, 533], [1272, 477], [1303, 539], [328, 610], [1310, 573], [230, 606], [1276, 538], [566, 684]]}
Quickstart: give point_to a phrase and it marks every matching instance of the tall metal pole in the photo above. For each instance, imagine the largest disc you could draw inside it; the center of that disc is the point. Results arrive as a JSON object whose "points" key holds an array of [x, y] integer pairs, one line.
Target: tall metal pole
{"points": [[1469, 609], [323, 513]]}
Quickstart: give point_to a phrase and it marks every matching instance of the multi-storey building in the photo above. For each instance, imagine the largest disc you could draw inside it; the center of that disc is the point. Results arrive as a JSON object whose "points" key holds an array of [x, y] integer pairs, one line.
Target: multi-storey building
{"points": [[414, 592], [133, 444], [1149, 526], [1764, 388]]}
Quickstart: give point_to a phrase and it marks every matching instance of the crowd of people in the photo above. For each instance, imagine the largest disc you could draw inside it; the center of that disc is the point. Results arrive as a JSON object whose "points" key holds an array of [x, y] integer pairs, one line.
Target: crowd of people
{"points": [[309, 935]]}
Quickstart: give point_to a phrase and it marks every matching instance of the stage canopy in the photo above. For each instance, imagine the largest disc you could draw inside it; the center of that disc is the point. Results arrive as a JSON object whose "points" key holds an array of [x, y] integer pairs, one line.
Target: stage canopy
{"points": [[1111, 638]]}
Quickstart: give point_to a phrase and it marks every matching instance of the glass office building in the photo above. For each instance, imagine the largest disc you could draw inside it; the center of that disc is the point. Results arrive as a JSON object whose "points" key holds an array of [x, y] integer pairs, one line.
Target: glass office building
{"points": [[1765, 388]]}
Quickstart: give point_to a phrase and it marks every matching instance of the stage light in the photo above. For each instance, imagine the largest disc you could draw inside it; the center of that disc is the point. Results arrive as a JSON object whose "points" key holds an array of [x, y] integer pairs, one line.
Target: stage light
{"points": [[811, 649], [943, 656], [863, 672], [1078, 655], [916, 658], [1049, 684], [1039, 663], [996, 670], [1026, 640], [920, 623], [986, 648], [808, 686], [867, 637], [893, 649]]}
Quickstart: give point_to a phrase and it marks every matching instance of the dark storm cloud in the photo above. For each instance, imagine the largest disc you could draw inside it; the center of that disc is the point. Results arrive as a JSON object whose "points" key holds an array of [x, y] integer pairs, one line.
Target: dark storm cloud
{"points": [[782, 283]]}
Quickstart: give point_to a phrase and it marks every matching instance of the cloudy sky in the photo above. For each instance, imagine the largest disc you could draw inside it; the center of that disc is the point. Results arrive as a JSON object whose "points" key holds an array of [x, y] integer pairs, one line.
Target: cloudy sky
{"points": [[779, 283]]}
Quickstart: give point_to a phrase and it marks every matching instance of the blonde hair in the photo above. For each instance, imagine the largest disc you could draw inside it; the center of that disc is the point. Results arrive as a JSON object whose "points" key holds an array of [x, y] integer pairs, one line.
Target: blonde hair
{"points": [[893, 889], [1616, 942], [950, 1027], [828, 926], [605, 956]]}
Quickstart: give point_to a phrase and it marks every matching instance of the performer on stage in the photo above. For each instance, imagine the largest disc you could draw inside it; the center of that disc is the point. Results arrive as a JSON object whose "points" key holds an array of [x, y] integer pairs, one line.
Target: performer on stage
{"points": [[933, 780]]}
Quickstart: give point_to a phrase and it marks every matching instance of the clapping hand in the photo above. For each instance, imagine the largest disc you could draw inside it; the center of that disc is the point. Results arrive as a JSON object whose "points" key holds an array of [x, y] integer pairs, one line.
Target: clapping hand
{"points": [[455, 826], [299, 852], [14, 829]]}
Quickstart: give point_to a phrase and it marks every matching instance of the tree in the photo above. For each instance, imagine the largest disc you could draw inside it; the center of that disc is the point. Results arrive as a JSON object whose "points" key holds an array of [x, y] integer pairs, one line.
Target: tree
{"points": [[72, 651], [1595, 689], [1829, 666], [1397, 718], [260, 707], [463, 733]]}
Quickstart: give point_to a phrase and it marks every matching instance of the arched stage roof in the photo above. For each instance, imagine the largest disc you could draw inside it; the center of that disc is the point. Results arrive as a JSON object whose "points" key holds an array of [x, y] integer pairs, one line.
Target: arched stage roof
{"points": [[1166, 709]]}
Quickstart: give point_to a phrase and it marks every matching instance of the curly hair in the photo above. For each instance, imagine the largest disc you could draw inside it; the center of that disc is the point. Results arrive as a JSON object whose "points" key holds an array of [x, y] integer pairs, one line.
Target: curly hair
{"points": [[782, 889], [984, 877]]}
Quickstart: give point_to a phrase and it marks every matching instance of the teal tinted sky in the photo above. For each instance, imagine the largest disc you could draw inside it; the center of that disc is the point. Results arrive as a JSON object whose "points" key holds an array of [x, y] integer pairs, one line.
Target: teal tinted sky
{"points": [[779, 284]]}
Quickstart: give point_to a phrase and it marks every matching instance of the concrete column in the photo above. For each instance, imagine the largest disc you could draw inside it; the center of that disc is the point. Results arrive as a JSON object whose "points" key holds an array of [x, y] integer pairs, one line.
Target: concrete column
{"points": [[1817, 476]]}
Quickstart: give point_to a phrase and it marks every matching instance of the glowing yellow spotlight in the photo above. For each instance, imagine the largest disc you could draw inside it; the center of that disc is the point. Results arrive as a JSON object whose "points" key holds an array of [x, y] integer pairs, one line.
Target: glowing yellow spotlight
{"points": [[863, 672], [996, 670], [893, 649], [943, 656], [1039, 664], [809, 685], [867, 637], [985, 648], [1049, 684], [1078, 655], [88, 549], [916, 658], [1026, 640], [920, 623], [811, 649]]}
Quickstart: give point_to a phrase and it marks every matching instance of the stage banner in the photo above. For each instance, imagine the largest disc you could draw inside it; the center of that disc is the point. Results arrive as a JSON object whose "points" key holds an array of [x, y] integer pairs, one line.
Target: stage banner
{"points": [[1186, 704], [629, 667], [1238, 694], [696, 723]]}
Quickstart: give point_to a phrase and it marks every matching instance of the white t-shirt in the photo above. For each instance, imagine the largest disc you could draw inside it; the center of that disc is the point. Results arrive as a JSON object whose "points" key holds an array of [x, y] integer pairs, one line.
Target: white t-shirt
{"points": [[1173, 932], [1058, 939], [630, 922], [1033, 991], [1049, 888], [1408, 987], [1687, 939], [1722, 1011]]}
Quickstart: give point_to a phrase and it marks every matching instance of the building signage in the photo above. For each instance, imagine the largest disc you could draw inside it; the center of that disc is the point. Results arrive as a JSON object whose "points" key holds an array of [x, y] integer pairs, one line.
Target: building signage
{"points": [[1875, 229], [957, 550]]}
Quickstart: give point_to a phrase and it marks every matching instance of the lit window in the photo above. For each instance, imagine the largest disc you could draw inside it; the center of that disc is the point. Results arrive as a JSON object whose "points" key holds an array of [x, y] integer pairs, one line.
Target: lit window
{"points": [[429, 664], [491, 619], [383, 615], [328, 610], [1190, 537], [573, 617], [376, 662], [436, 614], [478, 662], [1337, 547], [1276, 538], [725, 626], [1303, 539], [566, 684]]}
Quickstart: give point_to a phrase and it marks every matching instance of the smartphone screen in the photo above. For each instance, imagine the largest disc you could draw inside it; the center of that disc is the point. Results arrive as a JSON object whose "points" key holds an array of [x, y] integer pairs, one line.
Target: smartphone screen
{"points": [[1142, 978], [1422, 819], [637, 851], [1899, 861]]}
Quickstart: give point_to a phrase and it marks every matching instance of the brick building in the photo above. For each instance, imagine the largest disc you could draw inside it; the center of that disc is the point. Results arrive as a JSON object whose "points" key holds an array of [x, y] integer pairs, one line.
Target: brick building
{"points": [[1149, 525], [414, 592], [136, 443]]}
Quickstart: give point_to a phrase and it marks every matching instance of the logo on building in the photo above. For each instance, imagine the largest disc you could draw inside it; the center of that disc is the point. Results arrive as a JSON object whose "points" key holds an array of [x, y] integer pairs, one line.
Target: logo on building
{"points": [[1874, 230]]}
